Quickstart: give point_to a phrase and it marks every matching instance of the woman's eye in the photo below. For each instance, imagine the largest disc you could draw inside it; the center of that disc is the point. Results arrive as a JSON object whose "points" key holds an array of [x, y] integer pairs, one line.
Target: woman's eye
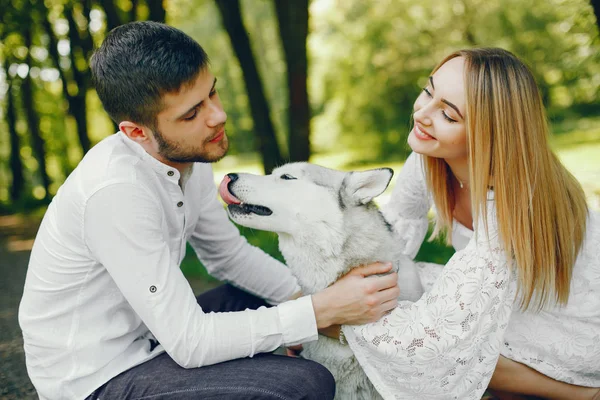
{"points": [[287, 177], [448, 118], [427, 91]]}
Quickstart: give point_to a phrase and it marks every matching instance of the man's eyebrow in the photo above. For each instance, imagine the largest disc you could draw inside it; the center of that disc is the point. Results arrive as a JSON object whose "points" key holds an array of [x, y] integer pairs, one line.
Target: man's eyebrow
{"points": [[180, 117], [446, 101]]}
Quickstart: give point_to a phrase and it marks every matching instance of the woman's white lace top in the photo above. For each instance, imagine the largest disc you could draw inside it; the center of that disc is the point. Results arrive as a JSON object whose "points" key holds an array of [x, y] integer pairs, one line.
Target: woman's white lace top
{"points": [[446, 345]]}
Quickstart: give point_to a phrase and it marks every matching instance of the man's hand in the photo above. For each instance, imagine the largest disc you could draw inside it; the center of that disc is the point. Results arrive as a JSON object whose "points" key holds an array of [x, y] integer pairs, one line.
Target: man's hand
{"points": [[357, 298]]}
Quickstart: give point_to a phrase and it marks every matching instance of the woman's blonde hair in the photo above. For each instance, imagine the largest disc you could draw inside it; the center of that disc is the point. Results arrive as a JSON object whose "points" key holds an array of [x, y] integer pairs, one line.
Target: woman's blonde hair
{"points": [[540, 207]]}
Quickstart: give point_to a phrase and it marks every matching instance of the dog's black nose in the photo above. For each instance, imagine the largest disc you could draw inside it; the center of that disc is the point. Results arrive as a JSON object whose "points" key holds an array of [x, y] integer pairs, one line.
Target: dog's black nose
{"points": [[233, 177]]}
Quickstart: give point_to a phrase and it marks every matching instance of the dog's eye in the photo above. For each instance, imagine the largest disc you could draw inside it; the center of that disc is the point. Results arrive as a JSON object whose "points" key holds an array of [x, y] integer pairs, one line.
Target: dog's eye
{"points": [[287, 177]]}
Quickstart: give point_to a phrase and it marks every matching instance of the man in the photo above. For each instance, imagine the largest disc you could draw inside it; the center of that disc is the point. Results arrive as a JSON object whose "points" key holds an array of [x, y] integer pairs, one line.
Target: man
{"points": [[107, 313]]}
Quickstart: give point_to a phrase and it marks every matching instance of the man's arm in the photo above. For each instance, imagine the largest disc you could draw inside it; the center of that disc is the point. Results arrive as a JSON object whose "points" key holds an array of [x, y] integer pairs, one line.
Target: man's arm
{"points": [[124, 232]]}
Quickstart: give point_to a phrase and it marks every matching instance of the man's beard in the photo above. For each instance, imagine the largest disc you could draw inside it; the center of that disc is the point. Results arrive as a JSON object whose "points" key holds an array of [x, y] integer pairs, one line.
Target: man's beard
{"points": [[175, 153]]}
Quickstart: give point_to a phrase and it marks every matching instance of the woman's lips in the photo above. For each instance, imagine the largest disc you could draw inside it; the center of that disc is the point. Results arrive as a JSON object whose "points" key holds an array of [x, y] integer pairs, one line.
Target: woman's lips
{"points": [[422, 135]]}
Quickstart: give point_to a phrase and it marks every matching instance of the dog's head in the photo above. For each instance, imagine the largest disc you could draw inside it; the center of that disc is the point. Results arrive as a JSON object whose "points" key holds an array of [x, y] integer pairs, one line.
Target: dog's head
{"points": [[299, 196]]}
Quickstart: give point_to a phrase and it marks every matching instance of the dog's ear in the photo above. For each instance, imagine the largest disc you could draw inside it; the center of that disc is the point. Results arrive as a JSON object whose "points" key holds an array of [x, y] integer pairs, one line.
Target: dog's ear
{"points": [[363, 186]]}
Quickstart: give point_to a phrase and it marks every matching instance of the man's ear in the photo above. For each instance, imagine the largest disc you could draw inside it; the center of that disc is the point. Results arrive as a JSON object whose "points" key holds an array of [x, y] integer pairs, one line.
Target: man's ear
{"points": [[134, 131], [363, 186]]}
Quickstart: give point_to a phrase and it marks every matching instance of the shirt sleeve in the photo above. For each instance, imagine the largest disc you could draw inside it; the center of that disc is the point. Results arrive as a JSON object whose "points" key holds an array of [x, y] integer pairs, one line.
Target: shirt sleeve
{"points": [[446, 345], [124, 232], [408, 206], [229, 257]]}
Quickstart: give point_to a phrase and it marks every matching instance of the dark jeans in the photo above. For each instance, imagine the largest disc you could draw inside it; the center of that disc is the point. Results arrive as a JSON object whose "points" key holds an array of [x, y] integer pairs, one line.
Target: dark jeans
{"points": [[265, 376]]}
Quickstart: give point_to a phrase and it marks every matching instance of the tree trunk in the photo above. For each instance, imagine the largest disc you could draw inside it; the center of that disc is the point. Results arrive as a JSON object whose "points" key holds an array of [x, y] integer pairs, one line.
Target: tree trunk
{"points": [[596, 7], [112, 15], [292, 18], [259, 107], [468, 17], [70, 100], [82, 79], [16, 165], [133, 10], [37, 142], [157, 10]]}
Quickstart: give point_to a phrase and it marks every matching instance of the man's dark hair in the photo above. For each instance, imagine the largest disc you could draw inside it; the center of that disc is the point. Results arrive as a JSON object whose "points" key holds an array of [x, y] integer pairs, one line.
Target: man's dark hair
{"points": [[138, 63]]}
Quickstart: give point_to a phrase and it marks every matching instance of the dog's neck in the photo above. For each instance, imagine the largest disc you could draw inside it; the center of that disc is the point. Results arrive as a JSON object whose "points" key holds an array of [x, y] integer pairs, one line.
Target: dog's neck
{"points": [[314, 258], [320, 255]]}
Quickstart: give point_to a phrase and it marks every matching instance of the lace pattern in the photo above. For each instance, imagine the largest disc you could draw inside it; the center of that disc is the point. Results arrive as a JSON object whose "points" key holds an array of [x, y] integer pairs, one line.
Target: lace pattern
{"points": [[446, 345]]}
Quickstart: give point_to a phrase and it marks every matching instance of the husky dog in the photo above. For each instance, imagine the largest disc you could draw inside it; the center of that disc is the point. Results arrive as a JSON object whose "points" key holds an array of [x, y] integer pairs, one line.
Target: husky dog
{"points": [[327, 224]]}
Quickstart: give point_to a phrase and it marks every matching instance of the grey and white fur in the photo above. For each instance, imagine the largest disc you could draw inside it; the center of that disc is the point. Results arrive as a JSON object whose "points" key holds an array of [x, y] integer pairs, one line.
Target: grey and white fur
{"points": [[327, 224]]}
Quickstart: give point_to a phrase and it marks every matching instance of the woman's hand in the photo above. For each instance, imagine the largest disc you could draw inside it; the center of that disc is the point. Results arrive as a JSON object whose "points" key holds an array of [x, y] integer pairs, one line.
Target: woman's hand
{"points": [[358, 297]]}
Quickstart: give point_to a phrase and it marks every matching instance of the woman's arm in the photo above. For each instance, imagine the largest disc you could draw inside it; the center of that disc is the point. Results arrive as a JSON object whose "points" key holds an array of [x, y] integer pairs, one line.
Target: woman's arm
{"points": [[446, 344], [408, 206]]}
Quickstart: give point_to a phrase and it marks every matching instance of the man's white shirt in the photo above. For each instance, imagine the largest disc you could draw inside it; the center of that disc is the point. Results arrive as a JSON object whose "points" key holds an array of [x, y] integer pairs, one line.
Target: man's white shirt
{"points": [[104, 284]]}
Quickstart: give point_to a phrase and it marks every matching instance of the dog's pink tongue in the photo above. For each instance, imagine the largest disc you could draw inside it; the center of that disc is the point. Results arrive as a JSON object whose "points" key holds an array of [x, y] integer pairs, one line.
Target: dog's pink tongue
{"points": [[225, 193]]}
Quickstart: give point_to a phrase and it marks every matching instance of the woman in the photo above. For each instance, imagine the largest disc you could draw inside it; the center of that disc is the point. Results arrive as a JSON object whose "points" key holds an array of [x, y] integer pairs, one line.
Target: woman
{"points": [[524, 282]]}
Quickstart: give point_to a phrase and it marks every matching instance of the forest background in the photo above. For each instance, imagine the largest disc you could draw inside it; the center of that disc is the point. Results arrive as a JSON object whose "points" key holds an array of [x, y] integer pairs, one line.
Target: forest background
{"points": [[330, 81], [298, 79]]}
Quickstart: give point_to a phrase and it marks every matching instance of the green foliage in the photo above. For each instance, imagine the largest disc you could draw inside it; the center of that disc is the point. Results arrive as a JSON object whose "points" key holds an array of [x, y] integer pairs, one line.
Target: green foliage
{"points": [[193, 268], [367, 63], [435, 252], [370, 60], [201, 20]]}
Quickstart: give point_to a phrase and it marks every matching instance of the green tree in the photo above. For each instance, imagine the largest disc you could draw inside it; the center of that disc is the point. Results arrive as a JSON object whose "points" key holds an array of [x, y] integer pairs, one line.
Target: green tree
{"points": [[16, 165], [370, 60], [32, 118], [596, 7], [46, 45], [259, 106], [292, 19]]}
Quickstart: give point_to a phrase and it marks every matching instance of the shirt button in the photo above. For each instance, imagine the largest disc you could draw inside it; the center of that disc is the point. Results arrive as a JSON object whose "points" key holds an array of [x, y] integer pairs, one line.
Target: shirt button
{"points": [[170, 173], [152, 289], [180, 204]]}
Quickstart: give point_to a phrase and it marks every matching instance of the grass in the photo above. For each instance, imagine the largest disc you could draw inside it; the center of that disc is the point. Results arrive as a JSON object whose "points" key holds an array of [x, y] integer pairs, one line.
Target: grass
{"points": [[577, 144], [193, 268]]}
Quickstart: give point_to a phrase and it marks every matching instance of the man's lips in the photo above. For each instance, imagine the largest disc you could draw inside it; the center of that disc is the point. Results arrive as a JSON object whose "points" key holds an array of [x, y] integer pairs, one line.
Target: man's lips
{"points": [[219, 136], [225, 193]]}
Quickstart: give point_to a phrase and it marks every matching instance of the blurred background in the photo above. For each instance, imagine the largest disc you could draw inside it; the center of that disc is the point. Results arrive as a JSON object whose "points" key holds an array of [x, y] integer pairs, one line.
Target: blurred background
{"points": [[328, 81]]}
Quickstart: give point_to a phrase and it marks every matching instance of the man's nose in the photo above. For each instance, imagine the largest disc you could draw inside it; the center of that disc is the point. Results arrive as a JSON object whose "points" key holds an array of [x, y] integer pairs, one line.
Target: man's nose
{"points": [[217, 116]]}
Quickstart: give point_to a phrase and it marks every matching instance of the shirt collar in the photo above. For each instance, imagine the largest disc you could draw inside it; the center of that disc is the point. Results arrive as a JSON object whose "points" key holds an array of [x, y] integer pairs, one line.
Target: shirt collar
{"points": [[162, 169]]}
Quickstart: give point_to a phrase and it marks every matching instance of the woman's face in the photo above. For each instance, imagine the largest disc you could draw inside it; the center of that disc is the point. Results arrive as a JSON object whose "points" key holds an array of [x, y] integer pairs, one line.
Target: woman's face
{"points": [[439, 126]]}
